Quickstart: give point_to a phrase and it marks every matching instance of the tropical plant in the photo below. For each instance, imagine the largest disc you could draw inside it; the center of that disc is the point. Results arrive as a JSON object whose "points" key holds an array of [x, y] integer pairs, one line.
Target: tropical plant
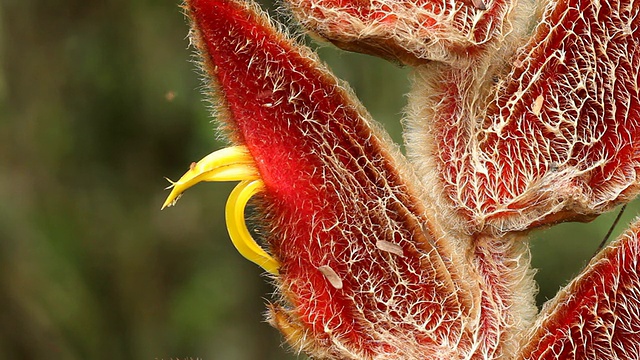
{"points": [[521, 115]]}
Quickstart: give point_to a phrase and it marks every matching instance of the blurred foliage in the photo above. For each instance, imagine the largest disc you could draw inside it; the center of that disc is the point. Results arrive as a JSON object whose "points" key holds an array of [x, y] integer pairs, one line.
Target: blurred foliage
{"points": [[98, 102]]}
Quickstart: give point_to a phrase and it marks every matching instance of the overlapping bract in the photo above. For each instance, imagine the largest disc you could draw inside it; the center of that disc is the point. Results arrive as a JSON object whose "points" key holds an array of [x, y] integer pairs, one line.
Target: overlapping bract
{"points": [[557, 136], [597, 316], [359, 263], [379, 259], [409, 31]]}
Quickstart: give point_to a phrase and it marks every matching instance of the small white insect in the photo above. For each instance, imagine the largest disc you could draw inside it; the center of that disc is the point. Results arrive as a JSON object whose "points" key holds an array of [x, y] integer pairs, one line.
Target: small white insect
{"points": [[331, 276], [537, 105], [389, 247]]}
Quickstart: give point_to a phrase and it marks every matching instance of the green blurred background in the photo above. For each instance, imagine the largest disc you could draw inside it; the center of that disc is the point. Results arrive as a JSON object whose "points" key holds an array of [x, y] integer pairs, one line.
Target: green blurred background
{"points": [[98, 102]]}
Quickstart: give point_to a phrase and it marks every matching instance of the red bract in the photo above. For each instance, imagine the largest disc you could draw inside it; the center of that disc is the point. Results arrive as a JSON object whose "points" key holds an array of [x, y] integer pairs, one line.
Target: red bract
{"points": [[409, 31], [381, 258], [597, 316], [549, 136]]}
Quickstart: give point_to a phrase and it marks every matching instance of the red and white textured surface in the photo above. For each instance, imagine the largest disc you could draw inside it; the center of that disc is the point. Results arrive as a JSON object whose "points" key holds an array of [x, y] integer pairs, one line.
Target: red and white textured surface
{"points": [[521, 115]]}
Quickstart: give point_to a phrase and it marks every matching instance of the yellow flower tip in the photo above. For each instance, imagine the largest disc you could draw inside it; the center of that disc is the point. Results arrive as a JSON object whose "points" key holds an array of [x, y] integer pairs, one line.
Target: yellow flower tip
{"points": [[172, 183], [238, 232], [171, 200], [230, 164]]}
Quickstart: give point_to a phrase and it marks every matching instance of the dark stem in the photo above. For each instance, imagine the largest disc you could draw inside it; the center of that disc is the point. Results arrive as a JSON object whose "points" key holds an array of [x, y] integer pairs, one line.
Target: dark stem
{"points": [[615, 222]]}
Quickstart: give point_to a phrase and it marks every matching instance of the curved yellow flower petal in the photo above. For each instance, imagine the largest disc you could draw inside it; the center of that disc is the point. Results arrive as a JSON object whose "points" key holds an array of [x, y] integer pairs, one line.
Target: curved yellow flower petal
{"points": [[229, 164], [237, 227]]}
